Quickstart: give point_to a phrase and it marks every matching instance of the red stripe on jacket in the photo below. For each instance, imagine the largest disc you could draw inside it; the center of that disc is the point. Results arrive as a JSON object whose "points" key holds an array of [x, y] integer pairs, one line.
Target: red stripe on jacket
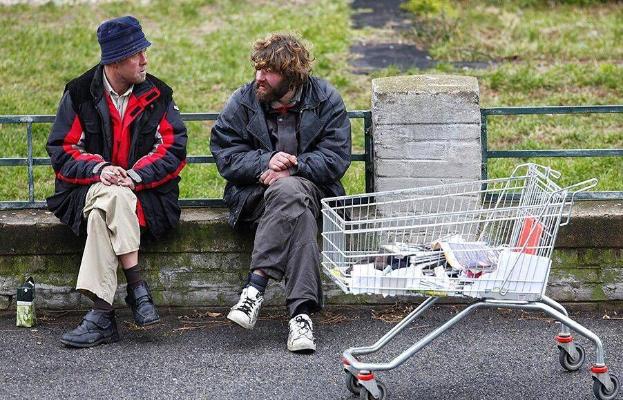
{"points": [[71, 140], [168, 138], [78, 181], [167, 178]]}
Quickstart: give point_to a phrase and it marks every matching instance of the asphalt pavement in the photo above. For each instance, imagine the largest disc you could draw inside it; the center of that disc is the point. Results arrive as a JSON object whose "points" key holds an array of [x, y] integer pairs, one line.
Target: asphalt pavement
{"points": [[494, 354]]}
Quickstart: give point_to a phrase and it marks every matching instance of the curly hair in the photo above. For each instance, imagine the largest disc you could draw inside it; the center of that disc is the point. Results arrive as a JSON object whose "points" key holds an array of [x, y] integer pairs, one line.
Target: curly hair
{"points": [[285, 54]]}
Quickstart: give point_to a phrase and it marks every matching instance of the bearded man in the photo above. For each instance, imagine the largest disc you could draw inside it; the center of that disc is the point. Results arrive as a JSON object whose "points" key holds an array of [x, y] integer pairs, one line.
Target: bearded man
{"points": [[283, 141], [117, 147]]}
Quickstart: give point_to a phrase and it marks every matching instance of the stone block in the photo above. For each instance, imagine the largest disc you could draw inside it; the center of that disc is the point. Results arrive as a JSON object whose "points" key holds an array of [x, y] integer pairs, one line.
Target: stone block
{"points": [[418, 99], [425, 84], [425, 169], [406, 133], [420, 150]]}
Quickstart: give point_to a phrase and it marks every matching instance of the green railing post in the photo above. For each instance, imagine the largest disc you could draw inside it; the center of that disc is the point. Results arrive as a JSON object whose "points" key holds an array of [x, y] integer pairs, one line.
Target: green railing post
{"points": [[31, 179], [369, 150]]}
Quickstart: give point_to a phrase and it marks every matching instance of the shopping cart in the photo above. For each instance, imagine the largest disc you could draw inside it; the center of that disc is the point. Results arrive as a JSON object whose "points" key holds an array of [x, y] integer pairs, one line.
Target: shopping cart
{"points": [[490, 240]]}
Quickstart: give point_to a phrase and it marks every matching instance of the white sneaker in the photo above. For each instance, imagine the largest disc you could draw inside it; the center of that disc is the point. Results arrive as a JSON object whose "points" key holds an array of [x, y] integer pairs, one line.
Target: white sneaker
{"points": [[301, 337], [245, 312]]}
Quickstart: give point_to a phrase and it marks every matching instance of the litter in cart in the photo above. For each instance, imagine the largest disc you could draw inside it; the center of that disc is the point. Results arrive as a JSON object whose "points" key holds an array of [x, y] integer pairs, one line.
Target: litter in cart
{"points": [[488, 240]]}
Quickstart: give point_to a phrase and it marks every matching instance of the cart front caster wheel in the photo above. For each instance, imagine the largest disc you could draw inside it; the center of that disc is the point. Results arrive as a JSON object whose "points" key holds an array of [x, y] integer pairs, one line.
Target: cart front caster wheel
{"points": [[600, 392], [365, 395], [568, 362], [352, 384]]}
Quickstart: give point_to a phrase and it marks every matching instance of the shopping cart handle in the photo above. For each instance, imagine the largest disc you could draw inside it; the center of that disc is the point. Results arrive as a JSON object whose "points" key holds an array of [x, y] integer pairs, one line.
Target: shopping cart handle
{"points": [[577, 188], [582, 186], [541, 169]]}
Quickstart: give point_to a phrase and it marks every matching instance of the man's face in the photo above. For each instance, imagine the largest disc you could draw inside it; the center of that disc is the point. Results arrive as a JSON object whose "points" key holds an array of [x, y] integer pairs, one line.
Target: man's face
{"points": [[270, 85], [133, 69]]}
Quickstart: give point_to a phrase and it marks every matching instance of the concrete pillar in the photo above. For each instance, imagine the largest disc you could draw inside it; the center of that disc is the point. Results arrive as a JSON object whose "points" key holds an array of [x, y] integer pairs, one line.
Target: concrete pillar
{"points": [[426, 130]]}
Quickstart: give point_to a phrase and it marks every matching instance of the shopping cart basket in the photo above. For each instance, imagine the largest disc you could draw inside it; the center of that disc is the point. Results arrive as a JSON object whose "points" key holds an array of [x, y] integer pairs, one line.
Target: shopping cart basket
{"points": [[490, 240]]}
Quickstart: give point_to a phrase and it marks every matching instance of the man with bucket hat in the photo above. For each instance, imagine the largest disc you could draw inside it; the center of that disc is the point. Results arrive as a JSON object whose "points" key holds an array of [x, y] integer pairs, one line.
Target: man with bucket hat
{"points": [[117, 147]]}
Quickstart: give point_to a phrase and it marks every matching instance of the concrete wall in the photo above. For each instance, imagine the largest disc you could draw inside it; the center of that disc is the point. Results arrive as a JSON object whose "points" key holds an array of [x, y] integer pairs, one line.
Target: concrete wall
{"points": [[426, 130], [204, 262]]}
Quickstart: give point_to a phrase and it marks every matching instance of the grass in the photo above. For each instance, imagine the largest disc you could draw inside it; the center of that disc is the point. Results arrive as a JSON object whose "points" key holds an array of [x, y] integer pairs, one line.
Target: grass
{"points": [[541, 55], [560, 55], [200, 48]]}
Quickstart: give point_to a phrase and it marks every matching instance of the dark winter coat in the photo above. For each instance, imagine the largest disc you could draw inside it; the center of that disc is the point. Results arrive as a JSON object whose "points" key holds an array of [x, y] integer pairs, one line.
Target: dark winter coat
{"points": [[242, 146], [80, 145]]}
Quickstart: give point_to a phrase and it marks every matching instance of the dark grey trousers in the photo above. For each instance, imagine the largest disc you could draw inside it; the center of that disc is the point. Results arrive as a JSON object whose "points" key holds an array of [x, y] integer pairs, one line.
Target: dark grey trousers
{"points": [[286, 245]]}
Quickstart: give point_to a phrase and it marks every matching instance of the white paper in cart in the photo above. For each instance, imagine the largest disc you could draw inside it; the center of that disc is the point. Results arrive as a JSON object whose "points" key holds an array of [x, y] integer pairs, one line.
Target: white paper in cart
{"points": [[519, 276], [365, 278]]}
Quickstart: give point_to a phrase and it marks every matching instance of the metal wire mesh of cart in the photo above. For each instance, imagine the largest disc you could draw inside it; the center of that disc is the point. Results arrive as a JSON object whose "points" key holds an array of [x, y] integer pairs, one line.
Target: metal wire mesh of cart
{"points": [[482, 239]]}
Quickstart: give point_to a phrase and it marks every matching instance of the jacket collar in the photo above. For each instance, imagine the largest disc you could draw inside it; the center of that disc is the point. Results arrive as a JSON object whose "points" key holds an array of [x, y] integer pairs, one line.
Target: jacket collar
{"points": [[310, 124], [140, 89]]}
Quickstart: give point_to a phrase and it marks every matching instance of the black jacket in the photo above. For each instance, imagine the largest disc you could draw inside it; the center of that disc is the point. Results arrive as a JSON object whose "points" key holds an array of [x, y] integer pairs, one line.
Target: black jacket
{"points": [[80, 145], [242, 147]]}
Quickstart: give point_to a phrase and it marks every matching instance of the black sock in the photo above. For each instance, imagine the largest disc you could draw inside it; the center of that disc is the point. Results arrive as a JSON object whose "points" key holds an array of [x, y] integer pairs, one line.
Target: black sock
{"points": [[257, 281], [133, 276], [101, 305], [303, 308]]}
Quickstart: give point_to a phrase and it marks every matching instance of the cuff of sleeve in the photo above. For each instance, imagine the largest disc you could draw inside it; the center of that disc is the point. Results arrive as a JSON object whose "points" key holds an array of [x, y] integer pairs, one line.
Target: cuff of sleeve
{"points": [[99, 166], [134, 176], [263, 164], [293, 170]]}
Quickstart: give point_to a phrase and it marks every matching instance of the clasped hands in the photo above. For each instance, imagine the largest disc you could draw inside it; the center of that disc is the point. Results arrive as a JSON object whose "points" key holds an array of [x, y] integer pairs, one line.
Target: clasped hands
{"points": [[114, 175], [278, 167]]}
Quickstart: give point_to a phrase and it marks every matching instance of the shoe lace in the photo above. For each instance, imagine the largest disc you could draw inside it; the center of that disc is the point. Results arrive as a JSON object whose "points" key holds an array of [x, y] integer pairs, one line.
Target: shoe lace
{"points": [[247, 306], [303, 324]]}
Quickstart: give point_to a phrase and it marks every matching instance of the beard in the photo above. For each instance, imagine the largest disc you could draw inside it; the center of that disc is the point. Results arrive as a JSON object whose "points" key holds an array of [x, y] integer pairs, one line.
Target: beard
{"points": [[266, 93]]}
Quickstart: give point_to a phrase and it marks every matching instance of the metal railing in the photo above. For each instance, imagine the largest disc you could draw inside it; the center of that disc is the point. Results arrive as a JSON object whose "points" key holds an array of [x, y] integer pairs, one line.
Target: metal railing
{"points": [[366, 157], [488, 154], [31, 161]]}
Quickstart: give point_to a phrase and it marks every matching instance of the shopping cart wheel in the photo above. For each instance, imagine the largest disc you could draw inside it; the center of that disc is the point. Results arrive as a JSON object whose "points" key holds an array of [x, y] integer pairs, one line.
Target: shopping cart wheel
{"points": [[352, 383], [365, 395], [600, 392], [568, 362]]}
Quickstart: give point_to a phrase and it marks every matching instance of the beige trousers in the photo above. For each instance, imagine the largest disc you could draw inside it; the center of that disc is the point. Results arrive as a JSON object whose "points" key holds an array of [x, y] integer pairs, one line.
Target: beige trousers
{"points": [[112, 230]]}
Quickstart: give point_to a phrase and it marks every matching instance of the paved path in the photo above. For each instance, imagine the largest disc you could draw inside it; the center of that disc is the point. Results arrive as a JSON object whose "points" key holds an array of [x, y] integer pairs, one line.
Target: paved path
{"points": [[493, 355]]}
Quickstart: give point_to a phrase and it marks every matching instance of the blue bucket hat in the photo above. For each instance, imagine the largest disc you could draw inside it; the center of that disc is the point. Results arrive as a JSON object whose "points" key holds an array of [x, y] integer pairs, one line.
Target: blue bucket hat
{"points": [[120, 38]]}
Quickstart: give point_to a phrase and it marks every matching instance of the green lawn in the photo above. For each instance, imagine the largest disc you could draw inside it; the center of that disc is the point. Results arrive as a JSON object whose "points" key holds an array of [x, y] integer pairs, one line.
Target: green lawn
{"points": [[561, 55], [543, 55]]}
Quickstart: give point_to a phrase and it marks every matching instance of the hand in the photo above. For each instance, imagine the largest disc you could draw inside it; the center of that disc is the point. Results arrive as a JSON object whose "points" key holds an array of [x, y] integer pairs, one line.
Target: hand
{"points": [[126, 182], [269, 176], [282, 161], [111, 174]]}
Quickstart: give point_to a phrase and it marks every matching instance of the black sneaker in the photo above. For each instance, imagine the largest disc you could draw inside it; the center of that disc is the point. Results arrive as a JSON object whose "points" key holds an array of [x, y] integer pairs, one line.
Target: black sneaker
{"points": [[142, 306], [97, 327]]}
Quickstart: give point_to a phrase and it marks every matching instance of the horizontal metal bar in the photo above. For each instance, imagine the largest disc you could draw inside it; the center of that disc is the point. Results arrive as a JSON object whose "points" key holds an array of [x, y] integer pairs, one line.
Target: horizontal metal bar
{"points": [[555, 153], [23, 119], [200, 160], [599, 196], [202, 202], [12, 162], [552, 110], [20, 205], [199, 116], [359, 113]]}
